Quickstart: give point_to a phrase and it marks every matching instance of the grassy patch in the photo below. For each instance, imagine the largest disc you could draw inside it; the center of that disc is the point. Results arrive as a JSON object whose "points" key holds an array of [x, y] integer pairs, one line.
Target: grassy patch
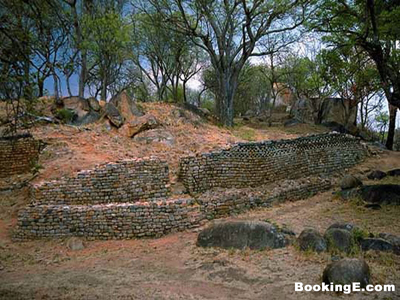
{"points": [[245, 133]]}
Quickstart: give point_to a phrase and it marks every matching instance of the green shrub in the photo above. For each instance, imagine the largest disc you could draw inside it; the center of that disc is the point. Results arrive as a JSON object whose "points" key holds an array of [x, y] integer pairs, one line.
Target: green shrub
{"points": [[65, 115]]}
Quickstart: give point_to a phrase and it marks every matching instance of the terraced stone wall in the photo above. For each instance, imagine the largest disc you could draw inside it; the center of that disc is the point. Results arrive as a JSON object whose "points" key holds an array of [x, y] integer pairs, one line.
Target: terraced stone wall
{"points": [[119, 182], [153, 219], [253, 164]]}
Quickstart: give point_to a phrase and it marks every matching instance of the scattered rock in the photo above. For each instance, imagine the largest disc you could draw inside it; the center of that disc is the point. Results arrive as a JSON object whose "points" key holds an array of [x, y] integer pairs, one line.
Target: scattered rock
{"points": [[373, 206], [347, 271], [139, 124], [178, 113], [94, 104], [242, 234], [249, 114], [311, 239], [339, 239], [349, 182], [395, 172], [348, 194], [292, 122], [394, 240], [126, 106], [156, 135], [381, 193], [113, 115], [376, 175], [75, 243], [377, 244]]}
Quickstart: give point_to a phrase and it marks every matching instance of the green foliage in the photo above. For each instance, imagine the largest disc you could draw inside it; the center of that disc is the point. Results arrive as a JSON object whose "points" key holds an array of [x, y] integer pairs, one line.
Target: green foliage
{"points": [[65, 115], [208, 104]]}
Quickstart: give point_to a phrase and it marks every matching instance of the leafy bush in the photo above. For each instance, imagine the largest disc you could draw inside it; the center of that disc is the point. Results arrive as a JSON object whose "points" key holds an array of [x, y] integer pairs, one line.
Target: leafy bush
{"points": [[65, 115]]}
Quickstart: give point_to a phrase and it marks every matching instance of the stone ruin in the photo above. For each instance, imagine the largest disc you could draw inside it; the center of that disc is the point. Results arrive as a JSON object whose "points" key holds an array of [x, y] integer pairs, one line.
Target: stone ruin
{"points": [[130, 199], [18, 154]]}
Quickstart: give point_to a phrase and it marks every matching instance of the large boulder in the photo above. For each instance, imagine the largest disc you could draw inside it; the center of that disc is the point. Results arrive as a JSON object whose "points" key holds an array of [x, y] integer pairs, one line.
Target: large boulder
{"points": [[80, 106], [126, 106], [381, 193], [349, 182], [159, 135], [242, 234], [94, 104], [113, 115], [395, 172], [91, 117], [347, 271], [311, 239], [139, 124], [376, 175], [339, 239]]}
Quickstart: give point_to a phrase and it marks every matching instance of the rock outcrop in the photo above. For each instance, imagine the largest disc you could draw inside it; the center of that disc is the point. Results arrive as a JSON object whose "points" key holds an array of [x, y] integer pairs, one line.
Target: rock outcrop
{"points": [[126, 106], [139, 125]]}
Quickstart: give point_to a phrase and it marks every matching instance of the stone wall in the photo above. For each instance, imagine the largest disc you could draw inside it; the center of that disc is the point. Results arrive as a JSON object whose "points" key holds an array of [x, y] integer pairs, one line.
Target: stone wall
{"points": [[153, 219], [124, 181], [235, 201], [252, 164], [129, 199], [18, 155], [107, 221]]}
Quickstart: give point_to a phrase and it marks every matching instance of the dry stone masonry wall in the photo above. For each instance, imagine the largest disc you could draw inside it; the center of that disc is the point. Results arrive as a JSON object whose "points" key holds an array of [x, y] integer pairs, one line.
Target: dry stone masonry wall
{"points": [[124, 181], [18, 155], [154, 219], [253, 164], [129, 199]]}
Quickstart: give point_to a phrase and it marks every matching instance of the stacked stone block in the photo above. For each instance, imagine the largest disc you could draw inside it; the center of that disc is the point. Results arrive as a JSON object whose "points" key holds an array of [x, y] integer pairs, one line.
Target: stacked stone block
{"points": [[18, 155], [253, 164], [107, 221], [129, 199], [119, 182]]}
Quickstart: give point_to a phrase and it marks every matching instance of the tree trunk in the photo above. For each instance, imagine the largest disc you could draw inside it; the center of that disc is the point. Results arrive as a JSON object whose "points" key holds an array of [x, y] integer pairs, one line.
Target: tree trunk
{"points": [[40, 84], [83, 74], [104, 88], [184, 92], [228, 85], [392, 127], [68, 85]]}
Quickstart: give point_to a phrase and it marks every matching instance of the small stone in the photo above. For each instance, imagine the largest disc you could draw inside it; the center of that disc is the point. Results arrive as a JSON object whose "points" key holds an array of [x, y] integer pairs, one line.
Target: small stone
{"points": [[376, 175], [75, 244]]}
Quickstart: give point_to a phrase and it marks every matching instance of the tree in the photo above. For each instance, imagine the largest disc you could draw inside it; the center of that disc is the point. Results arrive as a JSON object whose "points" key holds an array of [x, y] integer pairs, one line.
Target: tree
{"points": [[166, 57], [306, 77], [373, 25], [107, 44], [353, 76], [230, 32]]}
